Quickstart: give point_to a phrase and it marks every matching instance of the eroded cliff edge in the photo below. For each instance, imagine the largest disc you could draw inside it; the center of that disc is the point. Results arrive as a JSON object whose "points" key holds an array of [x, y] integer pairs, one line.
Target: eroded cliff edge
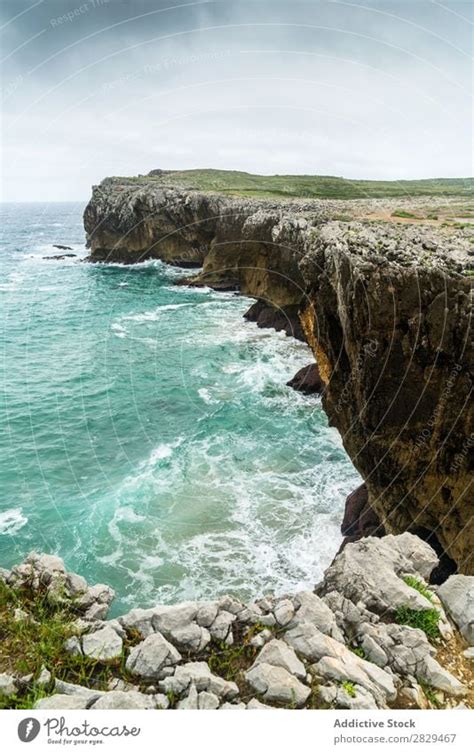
{"points": [[385, 306]]}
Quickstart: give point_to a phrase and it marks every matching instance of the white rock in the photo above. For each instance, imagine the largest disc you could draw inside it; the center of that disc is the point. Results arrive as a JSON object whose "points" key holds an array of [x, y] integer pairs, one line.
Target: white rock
{"points": [[232, 707], [75, 584], [72, 646], [278, 685], [191, 700], [191, 637], [208, 701], [7, 685], [457, 595], [284, 612], [151, 656], [200, 674], [117, 699], [438, 677], [58, 701], [279, 654], [311, 609], [256, 705], [206, 614], [221, 628], [349, 667], [44, 677], [469, 652], [103, 645], [138, 619], [68, 688], [166, 619]]}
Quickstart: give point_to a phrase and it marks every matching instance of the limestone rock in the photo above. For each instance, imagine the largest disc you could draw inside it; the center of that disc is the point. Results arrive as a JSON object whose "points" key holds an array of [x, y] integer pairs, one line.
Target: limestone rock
{"points": [[279, 654], [284, 611], [277, 684], [7, 685], [208, 701], [151, 656], [457, 595], [200, 674], [438, 677], [369, 571], [312, 609], [58, 701], [103, 645], [117, 699]]}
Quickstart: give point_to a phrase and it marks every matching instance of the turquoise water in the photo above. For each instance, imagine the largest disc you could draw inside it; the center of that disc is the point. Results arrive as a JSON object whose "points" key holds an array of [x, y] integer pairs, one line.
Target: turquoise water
{"points": [[148, 437]]}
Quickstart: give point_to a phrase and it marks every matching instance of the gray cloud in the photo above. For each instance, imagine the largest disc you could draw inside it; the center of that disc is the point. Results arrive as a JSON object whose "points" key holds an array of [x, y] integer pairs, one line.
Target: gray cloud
{"points": [[375, 90]]}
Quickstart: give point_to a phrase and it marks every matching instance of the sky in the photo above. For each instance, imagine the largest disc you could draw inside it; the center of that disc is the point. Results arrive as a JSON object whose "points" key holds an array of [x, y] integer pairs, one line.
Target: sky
{"points": [[376, 90]]}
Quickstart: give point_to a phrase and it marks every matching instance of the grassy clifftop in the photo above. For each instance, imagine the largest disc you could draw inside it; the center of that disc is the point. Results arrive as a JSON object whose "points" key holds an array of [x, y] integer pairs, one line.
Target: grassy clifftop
{"points": [[238, 183]]}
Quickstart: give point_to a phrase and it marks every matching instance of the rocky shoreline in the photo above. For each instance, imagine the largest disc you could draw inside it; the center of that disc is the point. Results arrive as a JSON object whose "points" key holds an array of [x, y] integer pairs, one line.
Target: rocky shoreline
{"points": [[372, 634], [382, 293]]}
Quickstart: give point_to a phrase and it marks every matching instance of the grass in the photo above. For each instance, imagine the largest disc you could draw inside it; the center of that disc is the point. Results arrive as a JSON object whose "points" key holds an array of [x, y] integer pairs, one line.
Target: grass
{"points": [[349, 688], [424, 619], [244, 184], [407, 215], [430, 694], [358, 651], [419, 586], [28, 644]]}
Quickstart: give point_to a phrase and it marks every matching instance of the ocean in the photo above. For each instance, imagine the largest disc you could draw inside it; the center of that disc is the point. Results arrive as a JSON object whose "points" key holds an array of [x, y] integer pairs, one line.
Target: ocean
{"points": [[148, 437]]}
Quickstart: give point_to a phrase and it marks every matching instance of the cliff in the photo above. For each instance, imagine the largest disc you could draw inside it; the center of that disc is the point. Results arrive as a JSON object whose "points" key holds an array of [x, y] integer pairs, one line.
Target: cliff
{"points": [[382, 289]]}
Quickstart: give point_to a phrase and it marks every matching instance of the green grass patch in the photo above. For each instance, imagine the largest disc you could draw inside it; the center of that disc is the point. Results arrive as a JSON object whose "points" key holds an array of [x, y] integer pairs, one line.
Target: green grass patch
{"points": [[28, 644], [349, 688], [244, 184], [405, 214], [430, 694], [419, 586], [424, 619]]}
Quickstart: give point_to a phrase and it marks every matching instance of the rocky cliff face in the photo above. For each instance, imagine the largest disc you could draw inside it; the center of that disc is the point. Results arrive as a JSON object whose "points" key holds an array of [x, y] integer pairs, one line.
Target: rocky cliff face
{"points": [[385, 307]]}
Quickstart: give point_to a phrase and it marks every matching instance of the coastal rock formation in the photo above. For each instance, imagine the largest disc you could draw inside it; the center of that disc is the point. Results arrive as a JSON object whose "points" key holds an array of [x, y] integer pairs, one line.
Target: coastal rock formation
{"points": [[373, 631], [390, 325], [385, 307]]}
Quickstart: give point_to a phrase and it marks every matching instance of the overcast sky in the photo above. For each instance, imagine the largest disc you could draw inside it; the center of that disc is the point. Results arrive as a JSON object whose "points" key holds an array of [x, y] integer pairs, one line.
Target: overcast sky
{"points": [[119, 87]]}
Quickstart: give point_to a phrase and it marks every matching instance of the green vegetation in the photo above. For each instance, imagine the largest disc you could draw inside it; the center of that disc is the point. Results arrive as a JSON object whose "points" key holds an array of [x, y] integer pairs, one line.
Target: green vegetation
{"points": [[430, 694], [38, 639], [349, 688], [238, 183], [403, 213], [424, 619], [419, 586], [358, 652]]}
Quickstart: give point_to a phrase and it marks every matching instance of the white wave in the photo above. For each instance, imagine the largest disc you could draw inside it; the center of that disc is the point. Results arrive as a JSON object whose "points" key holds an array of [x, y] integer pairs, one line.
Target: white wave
{"points": [[118, 330], [153, 316], [12, 520]]}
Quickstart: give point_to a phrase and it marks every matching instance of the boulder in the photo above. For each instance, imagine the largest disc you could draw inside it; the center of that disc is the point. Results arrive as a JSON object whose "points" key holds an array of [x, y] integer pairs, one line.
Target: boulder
{"points": [[370, 572], [148, 660], [117, 699], [457, 596], [103, 645], [277, 685], [59, 701], [307, 380], [200, 674], [279, 654], [437, 677], [312, 609]]}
